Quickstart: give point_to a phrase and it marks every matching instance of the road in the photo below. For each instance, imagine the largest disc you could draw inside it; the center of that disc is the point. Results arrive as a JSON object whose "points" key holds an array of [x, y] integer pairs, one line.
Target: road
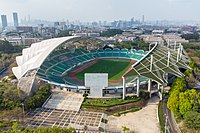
{"points": [[4, 73], [170, 124]]}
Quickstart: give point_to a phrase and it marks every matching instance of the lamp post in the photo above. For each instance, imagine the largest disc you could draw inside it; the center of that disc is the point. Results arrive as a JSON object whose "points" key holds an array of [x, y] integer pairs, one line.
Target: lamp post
{"points": [[23, 111], [166, 117]]}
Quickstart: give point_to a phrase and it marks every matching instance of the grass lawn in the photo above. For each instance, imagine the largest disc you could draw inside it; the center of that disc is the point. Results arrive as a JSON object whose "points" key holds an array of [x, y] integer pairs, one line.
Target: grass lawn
{"points": [[115, 69], [127, 111], [108, 102]]}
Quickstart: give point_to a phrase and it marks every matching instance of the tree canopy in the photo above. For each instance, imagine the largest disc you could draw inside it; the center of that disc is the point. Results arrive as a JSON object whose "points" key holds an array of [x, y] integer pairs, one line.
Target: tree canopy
{"points": [[16, 129], [192, 120], [6, 47], [191, 36], [9, 96], [111, 32], [63, 33], [185, 103], [139, 45], [38, 98]]}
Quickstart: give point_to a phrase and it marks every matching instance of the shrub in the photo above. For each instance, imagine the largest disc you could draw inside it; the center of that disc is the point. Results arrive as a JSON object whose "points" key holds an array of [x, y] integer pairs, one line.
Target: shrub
{"points": [[85, 96], [116, 114], [109, 102], [192, 120], [130, 110], [39, 98], [104, 120], [101, 129], [144, 95], [2, 124]]}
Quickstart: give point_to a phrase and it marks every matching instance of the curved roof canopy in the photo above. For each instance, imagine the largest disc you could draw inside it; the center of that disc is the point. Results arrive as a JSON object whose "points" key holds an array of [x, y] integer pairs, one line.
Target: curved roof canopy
{"points": [[33, 57], [160, 61]]}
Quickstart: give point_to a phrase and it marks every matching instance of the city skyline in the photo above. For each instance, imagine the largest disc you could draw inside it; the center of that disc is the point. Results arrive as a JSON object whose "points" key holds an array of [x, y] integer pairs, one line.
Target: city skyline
{"points": [[108, 10]]}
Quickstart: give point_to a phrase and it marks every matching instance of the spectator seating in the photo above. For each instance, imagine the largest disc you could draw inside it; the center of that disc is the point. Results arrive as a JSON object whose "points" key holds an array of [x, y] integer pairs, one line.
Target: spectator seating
{"points": [[62, 61]]}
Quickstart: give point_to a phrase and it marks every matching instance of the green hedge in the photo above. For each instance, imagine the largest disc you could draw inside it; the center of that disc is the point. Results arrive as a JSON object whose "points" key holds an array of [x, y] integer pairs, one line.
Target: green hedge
{"points": [[161, 118], [127, 111], [108, 102]]}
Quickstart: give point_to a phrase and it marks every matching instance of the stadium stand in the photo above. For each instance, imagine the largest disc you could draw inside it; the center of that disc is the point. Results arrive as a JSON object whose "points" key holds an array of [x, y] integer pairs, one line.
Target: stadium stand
{"points": [[62, 61]]}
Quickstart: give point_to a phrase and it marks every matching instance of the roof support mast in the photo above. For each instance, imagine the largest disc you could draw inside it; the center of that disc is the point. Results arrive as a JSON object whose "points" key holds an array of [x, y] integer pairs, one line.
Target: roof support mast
{"points": [[175, 46], [124, 87], [181, 51], [178, 55], [138, 86], [168, 60], [149, 81]]}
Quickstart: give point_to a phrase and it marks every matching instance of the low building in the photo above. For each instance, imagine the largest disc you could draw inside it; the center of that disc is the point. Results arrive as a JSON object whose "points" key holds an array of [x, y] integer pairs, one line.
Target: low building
{"points": [[174, 38]]}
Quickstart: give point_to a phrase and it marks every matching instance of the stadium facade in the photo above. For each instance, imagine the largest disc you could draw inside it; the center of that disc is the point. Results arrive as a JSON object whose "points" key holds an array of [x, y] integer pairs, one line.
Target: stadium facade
{"points": [[55, 59]]}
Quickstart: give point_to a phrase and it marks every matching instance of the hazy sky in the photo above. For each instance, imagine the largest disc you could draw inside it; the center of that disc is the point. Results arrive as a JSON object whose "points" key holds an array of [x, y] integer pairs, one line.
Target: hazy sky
{"points": [[94, 10]]}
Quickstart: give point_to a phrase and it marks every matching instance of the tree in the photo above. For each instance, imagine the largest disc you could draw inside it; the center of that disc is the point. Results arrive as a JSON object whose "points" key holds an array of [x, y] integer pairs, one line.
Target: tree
{"points": [[41, 130], [178, 85], [173, 102], [125, 129], [64, 33], [38, 98], [196, 107], [189, 73], [124, 45], [139, 44], [111, 32], [85, 95], [15, 127], [187, 100], [6, 47], [193, 36], [184, 104], [192, 120], [9, 96]]}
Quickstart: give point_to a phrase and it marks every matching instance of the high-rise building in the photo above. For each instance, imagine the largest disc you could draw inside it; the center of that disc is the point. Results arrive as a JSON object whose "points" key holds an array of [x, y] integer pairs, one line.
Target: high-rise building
{"points": [[143, 19], [15, 18], [132, 21], [4, 21], [56, 24]]}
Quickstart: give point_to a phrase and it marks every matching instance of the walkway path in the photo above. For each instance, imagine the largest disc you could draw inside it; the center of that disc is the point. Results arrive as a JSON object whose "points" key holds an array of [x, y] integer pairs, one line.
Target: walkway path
{"points": [[4, 72]]}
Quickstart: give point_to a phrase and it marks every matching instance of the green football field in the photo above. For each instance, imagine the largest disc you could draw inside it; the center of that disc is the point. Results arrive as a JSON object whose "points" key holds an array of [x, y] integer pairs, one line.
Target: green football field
{"points": [[115, 69]]}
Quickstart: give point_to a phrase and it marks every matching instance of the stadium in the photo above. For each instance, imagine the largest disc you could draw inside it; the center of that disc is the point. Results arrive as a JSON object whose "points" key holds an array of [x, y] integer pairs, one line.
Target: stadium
{"points": [[87, 65]]}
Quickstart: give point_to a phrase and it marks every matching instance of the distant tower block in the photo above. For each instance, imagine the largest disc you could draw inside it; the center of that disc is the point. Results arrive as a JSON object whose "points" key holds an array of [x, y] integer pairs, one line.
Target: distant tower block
{"points": [[143, 19], [4, 21], [132, 20], [15, 18]]}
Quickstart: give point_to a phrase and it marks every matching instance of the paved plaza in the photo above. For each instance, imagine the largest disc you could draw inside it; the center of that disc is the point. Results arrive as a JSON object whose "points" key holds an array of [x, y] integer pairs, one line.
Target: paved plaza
{"points": [[143, 121], [61, 109], [64, 119], [64, 101]]}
